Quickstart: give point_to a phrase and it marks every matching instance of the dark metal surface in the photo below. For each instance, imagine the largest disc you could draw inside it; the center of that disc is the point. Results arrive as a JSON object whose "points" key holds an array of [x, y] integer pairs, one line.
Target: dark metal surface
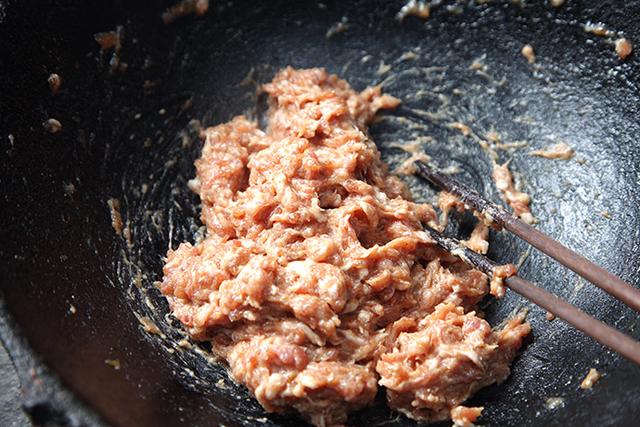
{"points": [[58, 249], [11, 414]]}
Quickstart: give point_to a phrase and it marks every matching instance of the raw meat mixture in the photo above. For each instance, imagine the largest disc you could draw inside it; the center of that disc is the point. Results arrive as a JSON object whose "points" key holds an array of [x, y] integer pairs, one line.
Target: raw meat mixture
{"points": [[518, 200], [316, 282]]}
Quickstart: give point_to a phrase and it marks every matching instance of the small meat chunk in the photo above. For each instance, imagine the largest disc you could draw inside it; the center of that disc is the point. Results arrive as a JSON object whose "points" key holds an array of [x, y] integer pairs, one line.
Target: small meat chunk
{"points": [[52, 125], [518, 200], [527, 52], [55, 81], [623, 48], [592, 377]]}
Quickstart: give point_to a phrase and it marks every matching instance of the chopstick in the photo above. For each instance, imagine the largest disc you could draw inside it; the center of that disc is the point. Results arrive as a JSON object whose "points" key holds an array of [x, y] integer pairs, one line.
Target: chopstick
{"points": [[595, 274], [601, 332]]}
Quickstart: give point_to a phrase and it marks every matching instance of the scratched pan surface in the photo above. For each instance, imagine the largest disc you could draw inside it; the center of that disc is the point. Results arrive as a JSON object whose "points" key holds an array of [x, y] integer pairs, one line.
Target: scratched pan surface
{"points": [[128, 131]]}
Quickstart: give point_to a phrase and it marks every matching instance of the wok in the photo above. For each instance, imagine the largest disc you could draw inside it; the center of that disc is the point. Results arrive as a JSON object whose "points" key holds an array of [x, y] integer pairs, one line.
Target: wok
{"points": [[73, 290]]}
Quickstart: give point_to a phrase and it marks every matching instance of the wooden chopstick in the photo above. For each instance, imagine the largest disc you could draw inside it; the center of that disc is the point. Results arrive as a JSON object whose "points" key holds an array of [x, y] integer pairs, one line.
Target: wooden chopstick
{"points": [[595, 274], [601, 332]]}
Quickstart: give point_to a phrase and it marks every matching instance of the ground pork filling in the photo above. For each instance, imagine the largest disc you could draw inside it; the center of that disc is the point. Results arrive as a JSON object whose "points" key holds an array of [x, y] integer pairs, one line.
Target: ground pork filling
{"points": [[315, 281]]}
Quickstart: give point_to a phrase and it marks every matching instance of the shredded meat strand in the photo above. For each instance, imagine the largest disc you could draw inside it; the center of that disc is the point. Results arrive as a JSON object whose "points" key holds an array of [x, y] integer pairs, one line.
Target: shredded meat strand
{"points": [[518, 200], [478, 241], [560, 151], [447, 202], [500, 273]]}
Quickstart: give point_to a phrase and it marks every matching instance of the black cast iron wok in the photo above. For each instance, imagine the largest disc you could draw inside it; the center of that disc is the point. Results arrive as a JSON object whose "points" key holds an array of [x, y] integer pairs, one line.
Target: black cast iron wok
{"points": [[130, 127]]}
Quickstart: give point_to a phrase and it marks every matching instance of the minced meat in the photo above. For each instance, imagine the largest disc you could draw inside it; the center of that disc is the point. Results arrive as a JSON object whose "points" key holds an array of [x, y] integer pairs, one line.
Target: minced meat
{"points": [[518, 200], [316, 282]]}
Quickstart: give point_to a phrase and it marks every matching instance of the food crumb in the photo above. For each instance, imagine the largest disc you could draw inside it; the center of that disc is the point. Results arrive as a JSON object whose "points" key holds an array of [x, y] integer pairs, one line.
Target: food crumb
{"points": [[451, 170], [464, 129], [126, 233], [54, 82], [596, 29], [69, 188], [72, 309], [149, 326], [114, 363], [383, 68], [592, 377], [186, 105], [137, 280], [249, 78], [556, 3], [409, 147], [339, 27], [185, 140], [184, 343], [554, 402], [560, 151], [463, 416], [111, 40], [493, 136], [549, 316], [195, 125], [408, 56], [478, 64], [623, 48], [517, 200], [447, 202], [478, 240], [418, 8], [116, 217], [408, 167], [605, 214], [52, 125], [527, 52], [185, 7], [501, 272]]}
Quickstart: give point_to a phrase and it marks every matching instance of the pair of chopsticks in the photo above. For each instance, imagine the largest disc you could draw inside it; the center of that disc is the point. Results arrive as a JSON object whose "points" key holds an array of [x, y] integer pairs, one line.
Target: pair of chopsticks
{"points": [[601, 332]]}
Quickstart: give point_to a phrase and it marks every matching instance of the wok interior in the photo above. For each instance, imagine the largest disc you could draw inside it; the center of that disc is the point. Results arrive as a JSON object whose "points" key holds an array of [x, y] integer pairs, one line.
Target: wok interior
{"points": [[207, 69]]}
